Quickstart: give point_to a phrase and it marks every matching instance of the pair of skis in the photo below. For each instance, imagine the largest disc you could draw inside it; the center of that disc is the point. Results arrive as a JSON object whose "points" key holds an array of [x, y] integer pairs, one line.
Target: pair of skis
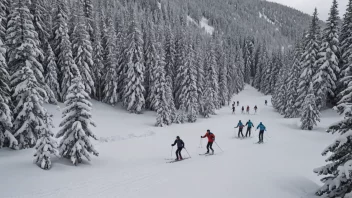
{"points": [[173, 161], [207, 154]]}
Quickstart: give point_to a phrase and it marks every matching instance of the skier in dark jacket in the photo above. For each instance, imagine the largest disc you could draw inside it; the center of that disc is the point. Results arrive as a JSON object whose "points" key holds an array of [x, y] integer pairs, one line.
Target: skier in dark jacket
{"points": [[261, 128], [180, 146], [266, 102], [233, 109], [240, 126], [238, 103], [249, 125], [255, 108], [242, 109], [211, 139]]}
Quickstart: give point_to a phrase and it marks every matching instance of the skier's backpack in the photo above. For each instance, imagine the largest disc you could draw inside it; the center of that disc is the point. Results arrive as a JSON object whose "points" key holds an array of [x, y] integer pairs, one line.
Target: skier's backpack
{"points": [[212, 136]]}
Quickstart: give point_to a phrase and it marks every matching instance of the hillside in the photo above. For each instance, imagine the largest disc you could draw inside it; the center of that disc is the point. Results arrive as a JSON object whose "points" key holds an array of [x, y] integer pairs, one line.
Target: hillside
{"points": [[268, 22]]}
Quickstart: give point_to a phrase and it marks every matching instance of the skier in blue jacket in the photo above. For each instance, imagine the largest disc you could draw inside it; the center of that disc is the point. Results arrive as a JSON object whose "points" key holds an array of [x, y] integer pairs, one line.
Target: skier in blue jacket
{"points": [[249, 125], [240, 126], [261, 128]]}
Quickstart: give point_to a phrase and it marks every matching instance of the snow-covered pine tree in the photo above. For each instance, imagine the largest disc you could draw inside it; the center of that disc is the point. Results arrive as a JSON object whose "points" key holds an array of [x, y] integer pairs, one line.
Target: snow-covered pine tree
{"points": [[110, 78], [256, 59], [190, 87], [162, 106], [259, 68], [181, 56], [230, 74], [170, 54], [248, 60], [199, 65], [98, 64], [239, 71], [265, 85], [121, 51], [152, 60], [4, 12], [46, 144], [6, 137], [325, 80], [279, 99], [88, 10], [275, 69], [292, 111], [26, 75], [41, 21], [76, 123], [309, 57], [62, 49], [51, 72], [345, 38], [133, 91], [82, 50], [337, 173], [309, 113], [223, 87], [210, 94]]}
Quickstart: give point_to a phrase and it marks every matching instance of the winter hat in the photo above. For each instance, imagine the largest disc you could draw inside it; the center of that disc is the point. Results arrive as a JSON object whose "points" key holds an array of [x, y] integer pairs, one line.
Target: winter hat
{"points": [[178, 137], [208, 130]]}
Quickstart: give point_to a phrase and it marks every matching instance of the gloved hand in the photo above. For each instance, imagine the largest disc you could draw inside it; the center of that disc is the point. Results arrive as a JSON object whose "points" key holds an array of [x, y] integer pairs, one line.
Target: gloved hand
{"points": [[201, 136], [172, 145]]}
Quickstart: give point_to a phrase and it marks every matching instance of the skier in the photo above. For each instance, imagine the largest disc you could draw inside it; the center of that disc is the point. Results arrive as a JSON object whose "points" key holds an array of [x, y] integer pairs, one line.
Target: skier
{"points": [[180, 146], [211, 139], [255, 108], [249, 125], [240, 126], [242, 109], [261, 128], [233, 109], [238, 103], [247, 110], [266, 102]]}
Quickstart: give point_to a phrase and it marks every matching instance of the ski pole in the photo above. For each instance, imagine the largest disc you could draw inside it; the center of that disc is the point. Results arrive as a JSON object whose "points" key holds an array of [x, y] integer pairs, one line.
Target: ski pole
{"points": [[200, 143], [172, 148], [219, 147], [187, 152]]}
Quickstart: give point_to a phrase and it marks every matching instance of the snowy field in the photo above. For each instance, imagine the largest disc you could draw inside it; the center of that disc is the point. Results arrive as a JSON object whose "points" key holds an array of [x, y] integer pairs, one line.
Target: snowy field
{"points": [[132, 157]]}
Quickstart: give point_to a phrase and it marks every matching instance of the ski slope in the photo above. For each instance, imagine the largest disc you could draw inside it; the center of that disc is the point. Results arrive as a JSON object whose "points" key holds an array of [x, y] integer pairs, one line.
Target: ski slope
{"points": [[132, 157]]}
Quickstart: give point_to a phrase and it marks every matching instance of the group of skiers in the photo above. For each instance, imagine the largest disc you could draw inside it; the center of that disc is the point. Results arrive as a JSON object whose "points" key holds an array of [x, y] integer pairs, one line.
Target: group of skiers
{"points": [[211, 137], [247, 110], [249, 125], [180, 144]]}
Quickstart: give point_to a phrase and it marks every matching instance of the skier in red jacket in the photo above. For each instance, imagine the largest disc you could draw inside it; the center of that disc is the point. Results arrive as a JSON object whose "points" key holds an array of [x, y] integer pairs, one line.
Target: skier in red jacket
{"points": [[211, 139]]}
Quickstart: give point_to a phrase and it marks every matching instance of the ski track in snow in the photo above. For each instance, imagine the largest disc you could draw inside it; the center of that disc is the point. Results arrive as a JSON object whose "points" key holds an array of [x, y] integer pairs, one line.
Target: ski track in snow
{"points": [[135, 167], [120, 138]]}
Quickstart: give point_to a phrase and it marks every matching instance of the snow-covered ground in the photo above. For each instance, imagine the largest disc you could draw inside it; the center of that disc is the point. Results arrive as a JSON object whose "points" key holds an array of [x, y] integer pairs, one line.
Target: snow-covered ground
{"points": [[132, 161]]}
